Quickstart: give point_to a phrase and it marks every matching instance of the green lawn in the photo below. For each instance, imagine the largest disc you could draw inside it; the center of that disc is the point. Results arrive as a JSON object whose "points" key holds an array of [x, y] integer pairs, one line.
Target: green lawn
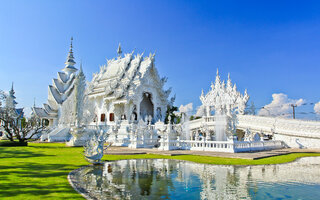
{"points": [[40, 171]]}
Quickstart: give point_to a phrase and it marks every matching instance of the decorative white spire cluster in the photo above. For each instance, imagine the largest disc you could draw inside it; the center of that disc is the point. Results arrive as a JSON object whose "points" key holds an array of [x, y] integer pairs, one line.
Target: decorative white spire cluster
{"points": [[61, 88], [224, 98], [10, 99], [79, 96], [69, 68], [11, 95]]}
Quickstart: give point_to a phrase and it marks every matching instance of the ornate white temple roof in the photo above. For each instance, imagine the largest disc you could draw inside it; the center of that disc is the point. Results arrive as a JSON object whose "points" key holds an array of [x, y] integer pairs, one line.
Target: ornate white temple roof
{"points": [[60, 89], [224, 97], [120, 77]]}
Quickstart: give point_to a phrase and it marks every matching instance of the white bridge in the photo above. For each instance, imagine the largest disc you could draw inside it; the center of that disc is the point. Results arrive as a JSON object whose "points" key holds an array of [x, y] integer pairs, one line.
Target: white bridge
{"points": [[294, 133]]}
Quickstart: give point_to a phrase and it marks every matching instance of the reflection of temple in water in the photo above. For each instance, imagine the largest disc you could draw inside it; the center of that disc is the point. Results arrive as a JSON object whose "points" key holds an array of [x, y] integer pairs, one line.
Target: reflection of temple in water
{"points": [[169, 179]]}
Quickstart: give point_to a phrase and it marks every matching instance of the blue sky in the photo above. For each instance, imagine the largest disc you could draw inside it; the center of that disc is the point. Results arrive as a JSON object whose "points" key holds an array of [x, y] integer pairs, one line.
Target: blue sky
{"points": [[267, 46]]}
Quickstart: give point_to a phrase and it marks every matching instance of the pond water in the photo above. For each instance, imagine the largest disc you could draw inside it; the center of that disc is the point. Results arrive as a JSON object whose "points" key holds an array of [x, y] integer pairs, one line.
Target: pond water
{"points": [[174, 179]]}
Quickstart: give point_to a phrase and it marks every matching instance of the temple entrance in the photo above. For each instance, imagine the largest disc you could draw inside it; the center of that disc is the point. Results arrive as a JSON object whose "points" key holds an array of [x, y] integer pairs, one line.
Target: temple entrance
{"points": [[146, 106]]}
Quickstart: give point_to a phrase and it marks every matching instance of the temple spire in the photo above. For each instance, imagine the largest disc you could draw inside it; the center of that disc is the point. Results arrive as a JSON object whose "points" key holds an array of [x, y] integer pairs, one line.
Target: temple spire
{"points": [[81, 70], [81, 67], [229, 84], [119, 51], [11, 98], [218, 81], [71, 44], [12, 90], [69, 68]]}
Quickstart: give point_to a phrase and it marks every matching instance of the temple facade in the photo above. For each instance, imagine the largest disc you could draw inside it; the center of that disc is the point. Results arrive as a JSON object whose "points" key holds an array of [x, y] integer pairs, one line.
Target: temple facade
{"points": [[129, 88], [126, 100]]}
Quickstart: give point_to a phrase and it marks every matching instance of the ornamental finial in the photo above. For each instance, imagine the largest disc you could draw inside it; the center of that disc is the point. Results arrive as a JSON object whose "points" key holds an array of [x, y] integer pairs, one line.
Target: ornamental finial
{"points": [[70, 59], [71, 43], [119, 51], [12, 90]]}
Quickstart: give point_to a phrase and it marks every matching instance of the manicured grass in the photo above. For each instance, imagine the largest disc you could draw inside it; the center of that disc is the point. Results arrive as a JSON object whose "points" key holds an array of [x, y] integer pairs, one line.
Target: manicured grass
{"points": [[39, 171]]}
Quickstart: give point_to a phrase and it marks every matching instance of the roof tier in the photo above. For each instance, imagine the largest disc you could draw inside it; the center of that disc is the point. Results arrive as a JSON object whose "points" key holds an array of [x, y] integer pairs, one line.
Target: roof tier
{"points": [[120, 77]]}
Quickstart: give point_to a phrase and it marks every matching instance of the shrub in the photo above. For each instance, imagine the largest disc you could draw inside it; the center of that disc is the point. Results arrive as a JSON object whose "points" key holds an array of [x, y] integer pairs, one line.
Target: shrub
{"points": [[12, 144]]}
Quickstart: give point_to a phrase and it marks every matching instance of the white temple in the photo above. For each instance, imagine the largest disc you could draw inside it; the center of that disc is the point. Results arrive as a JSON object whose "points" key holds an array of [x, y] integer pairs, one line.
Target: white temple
{"points": [[126, 99], [129, 88]]}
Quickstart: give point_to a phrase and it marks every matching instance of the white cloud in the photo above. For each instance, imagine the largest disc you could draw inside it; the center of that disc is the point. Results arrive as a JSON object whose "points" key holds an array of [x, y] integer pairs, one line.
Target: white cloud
{"points": [[27, 111], [200, 111], [186, 109], [280, 105], [317, 108]]}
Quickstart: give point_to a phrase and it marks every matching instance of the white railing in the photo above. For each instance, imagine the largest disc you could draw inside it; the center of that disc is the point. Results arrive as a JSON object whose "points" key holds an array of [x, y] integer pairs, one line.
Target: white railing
{"points": [[230, 146], [142, 142], [202, 145], [292, 127], [258, 145], [96, 127], [209, 118]]}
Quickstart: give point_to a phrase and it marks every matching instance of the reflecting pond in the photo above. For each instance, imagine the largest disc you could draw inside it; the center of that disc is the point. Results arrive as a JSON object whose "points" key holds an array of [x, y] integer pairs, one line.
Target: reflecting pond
{"points": [[174, 179]]}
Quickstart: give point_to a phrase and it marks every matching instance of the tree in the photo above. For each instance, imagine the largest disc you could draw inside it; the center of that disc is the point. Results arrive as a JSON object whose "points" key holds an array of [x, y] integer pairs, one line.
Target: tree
{"points": [[13, 125], [170, 111]]}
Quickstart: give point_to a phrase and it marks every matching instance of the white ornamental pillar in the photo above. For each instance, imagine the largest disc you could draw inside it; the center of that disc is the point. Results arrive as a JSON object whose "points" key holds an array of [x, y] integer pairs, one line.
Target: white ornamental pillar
{"points": [[208, 111]]}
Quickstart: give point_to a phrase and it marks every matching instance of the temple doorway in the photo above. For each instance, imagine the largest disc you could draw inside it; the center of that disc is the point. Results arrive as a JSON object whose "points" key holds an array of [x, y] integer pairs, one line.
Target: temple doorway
{"points": [[146, 106]]}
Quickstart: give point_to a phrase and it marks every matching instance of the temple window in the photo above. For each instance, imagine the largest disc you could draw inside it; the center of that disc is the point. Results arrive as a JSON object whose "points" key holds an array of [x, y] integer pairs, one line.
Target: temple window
{"points": [[135, 116], [111, 117], [103, 117]]}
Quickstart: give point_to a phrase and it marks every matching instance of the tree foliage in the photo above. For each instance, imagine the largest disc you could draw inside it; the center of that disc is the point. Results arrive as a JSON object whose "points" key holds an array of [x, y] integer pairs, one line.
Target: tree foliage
{"points": [[12, 123], [170, 112]]}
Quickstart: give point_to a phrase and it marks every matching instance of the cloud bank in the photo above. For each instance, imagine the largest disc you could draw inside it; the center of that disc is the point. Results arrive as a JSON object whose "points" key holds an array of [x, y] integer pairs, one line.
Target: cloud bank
{"points": [[186, 109], [280, 105], [317, 108]]}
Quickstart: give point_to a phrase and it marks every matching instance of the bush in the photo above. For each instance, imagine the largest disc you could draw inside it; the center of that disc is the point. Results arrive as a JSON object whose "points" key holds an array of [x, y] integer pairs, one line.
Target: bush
{"points": [[12, 144]]}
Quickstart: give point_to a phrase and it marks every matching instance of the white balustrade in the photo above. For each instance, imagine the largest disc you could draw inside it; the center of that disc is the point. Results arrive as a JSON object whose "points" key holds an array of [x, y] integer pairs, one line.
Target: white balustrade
{"points": [[229, 146]]}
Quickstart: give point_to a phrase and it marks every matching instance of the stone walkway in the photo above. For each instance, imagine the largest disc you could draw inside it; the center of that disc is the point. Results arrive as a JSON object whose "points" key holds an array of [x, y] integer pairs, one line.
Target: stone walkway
{"points": [[248, 155]]}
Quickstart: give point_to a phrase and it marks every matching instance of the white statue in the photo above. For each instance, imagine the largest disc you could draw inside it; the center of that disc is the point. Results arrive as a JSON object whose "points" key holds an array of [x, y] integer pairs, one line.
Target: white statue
{"points": [[94, 148]]}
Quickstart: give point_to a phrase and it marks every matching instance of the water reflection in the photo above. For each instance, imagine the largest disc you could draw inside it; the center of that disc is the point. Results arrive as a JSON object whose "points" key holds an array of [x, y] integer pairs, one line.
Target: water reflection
{"points": [[172, 179]]}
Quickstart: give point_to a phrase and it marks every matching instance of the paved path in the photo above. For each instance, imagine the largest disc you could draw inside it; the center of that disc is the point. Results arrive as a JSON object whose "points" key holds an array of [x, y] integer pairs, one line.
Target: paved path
{"points": [[250, 155]]}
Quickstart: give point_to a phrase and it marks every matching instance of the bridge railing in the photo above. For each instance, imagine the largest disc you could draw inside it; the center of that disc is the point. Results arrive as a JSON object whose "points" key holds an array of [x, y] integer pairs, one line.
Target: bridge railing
{"points": [[230, 146], [219, 146], [258, 145]]}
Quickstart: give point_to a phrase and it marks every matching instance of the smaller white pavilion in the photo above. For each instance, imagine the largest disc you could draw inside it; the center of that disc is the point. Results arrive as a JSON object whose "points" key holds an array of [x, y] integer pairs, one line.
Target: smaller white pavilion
{"points": [[224, 98]]}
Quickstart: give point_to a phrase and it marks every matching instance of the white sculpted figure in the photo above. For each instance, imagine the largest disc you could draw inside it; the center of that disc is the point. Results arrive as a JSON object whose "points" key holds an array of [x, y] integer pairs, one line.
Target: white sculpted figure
{"points": [[93, 150]]}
